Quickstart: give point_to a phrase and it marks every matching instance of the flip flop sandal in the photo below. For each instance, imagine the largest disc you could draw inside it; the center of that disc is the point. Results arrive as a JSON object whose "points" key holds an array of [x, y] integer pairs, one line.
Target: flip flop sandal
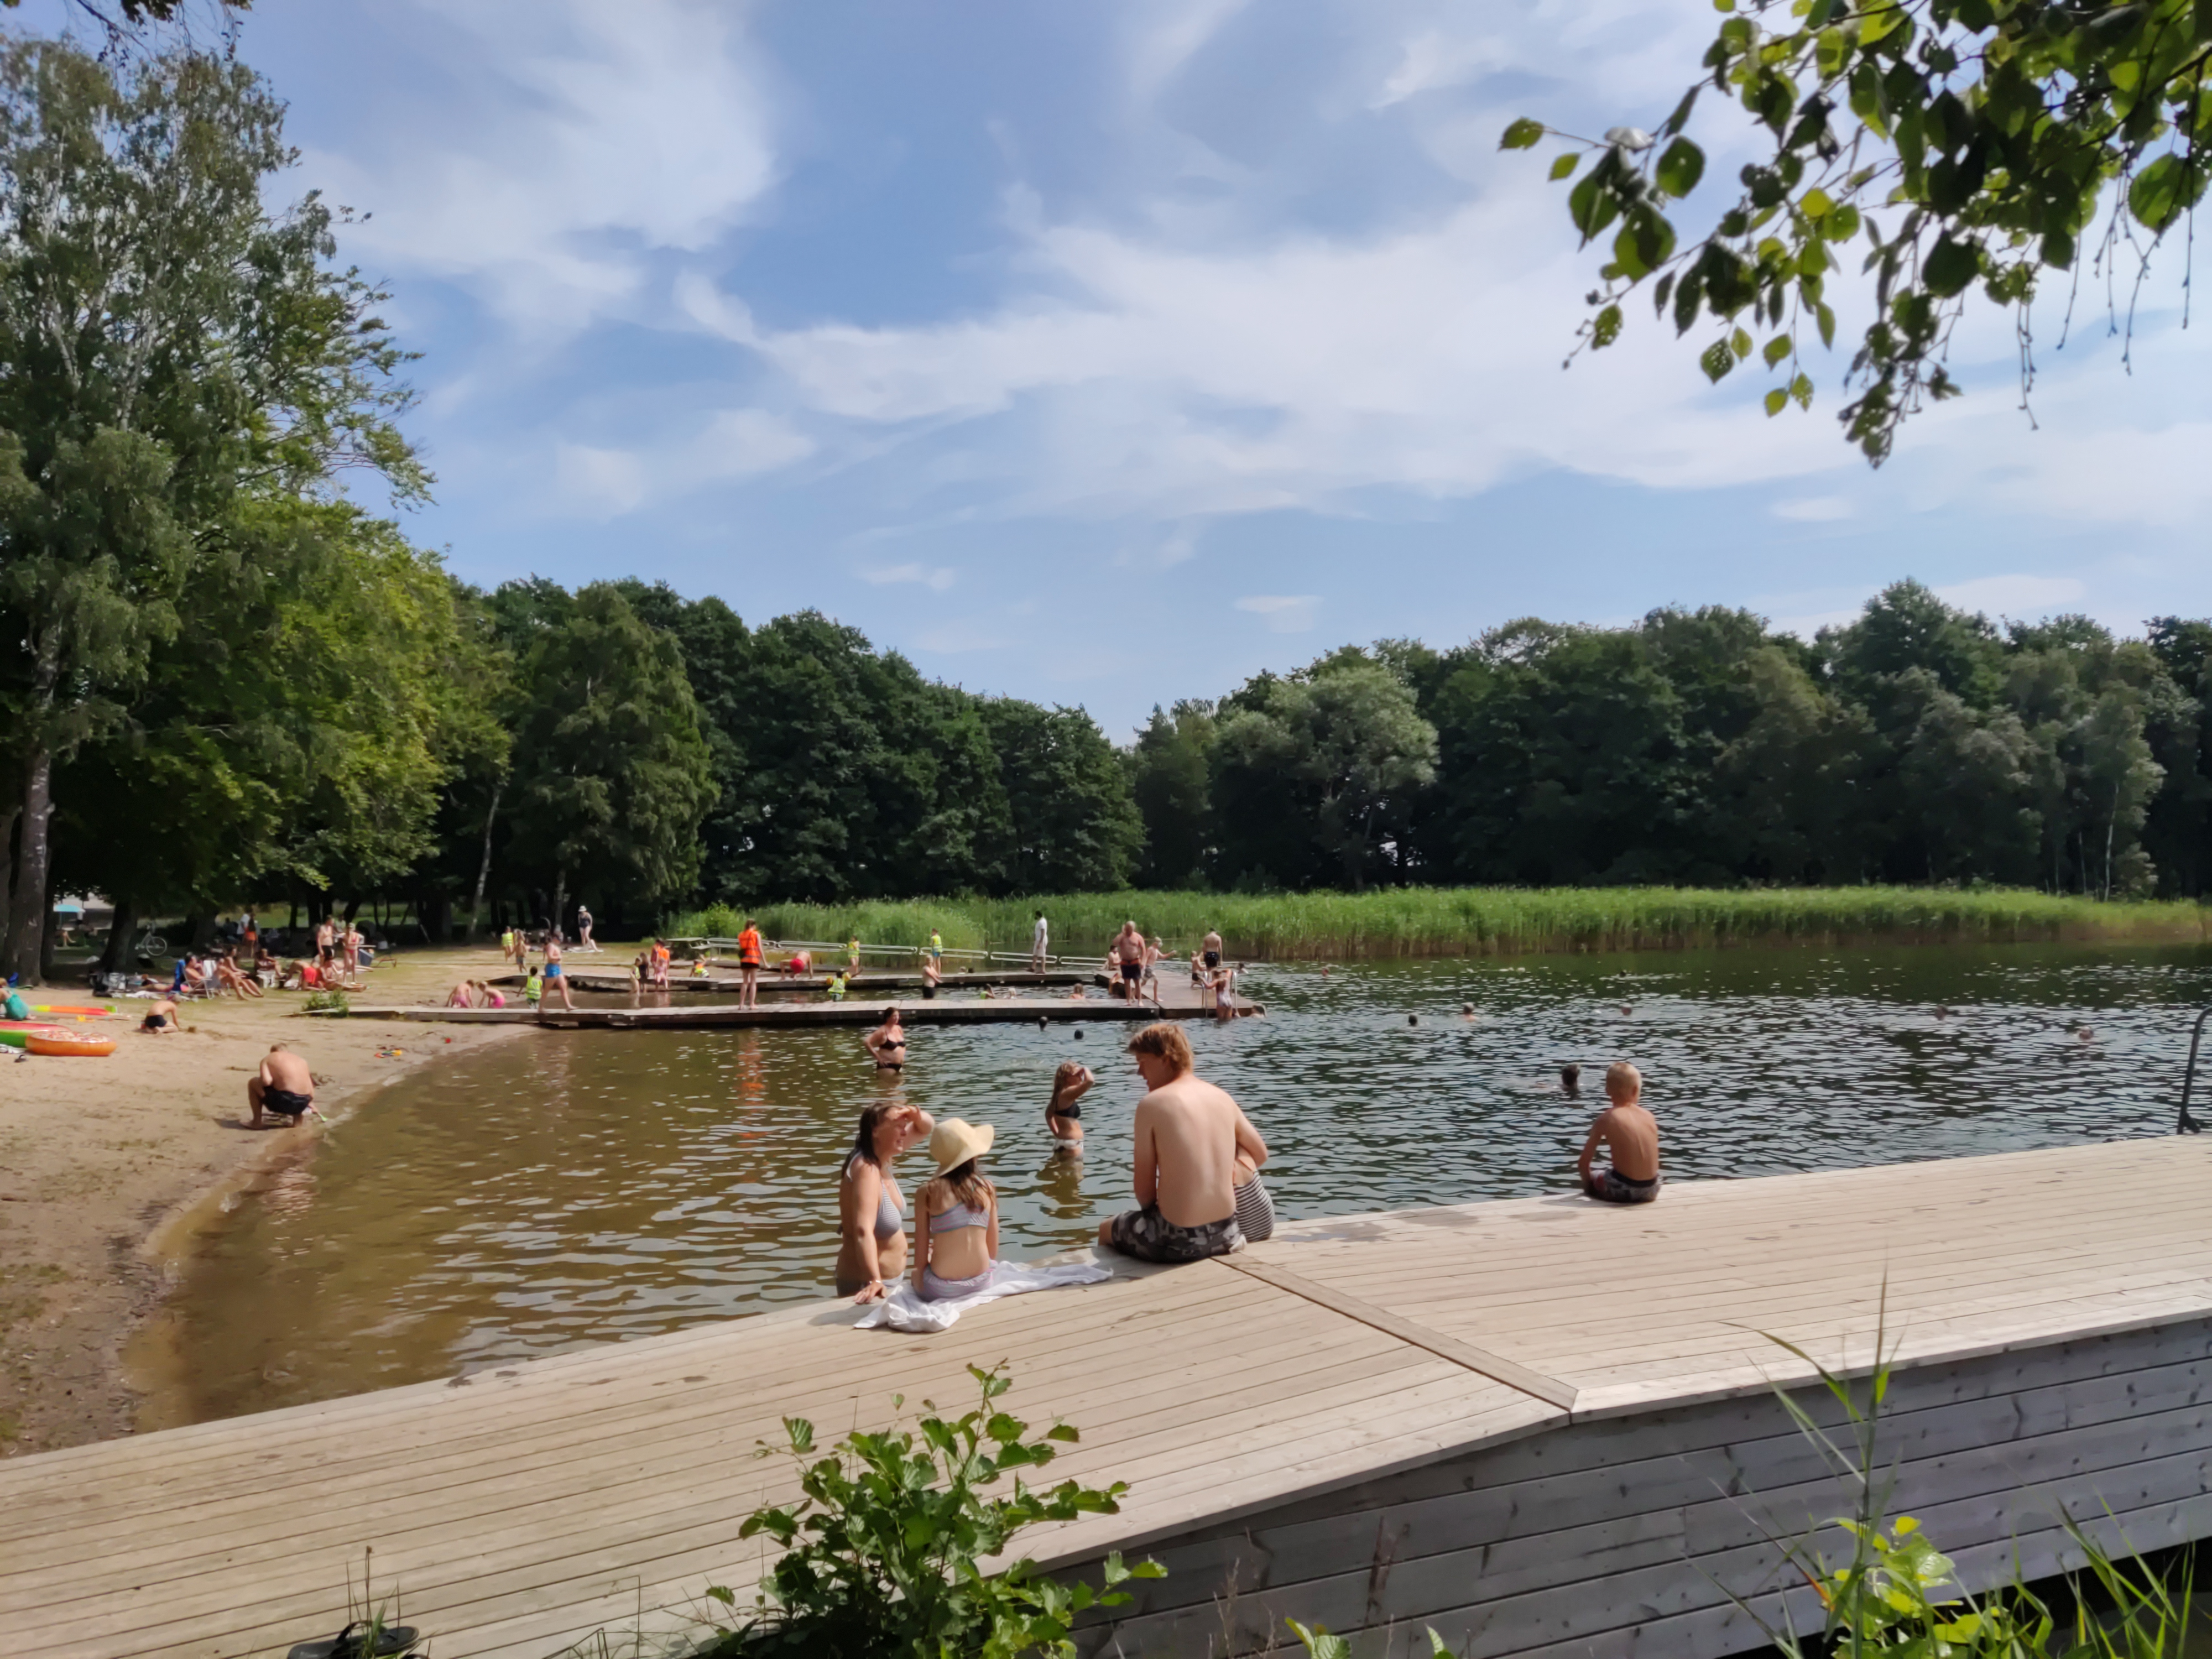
{"points": [[352, 1642]]}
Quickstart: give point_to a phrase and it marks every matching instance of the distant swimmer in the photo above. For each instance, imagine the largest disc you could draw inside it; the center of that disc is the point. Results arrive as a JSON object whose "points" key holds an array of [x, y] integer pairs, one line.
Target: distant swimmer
{"points": [[1063, 1115], [2086, 1035], [1467, 1012], [886, 1044], [1631, 1134], [1570, 1077]]}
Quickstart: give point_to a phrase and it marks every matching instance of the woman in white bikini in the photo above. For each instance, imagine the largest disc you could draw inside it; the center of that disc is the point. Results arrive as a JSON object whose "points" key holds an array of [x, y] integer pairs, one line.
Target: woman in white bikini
{"points": [[1063, 1118], [870, 1211], [956, 1229]]}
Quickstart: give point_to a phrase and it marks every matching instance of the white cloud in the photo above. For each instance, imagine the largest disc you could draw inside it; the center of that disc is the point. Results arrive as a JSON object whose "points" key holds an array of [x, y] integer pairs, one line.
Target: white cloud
{"points": [[581, 136], [2017, 595], [937, 579], [598, 483], [1284, 613], [740, 442], [1813, 509]]}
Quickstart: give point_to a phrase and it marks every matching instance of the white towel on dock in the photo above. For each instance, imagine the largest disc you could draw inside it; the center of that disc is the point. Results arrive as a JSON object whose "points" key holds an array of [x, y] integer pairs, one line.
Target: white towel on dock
{"points": [[903, 1310]]}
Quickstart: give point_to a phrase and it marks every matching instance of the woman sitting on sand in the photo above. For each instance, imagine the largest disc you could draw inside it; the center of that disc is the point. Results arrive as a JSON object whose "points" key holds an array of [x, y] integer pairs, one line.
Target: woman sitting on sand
{"points": [[956, 1229], [886, 1044], [1063, 1118], [871, 1214]]}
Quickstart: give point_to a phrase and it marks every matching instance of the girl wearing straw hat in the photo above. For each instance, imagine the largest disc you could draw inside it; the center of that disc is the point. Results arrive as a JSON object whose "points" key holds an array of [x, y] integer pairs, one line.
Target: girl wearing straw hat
{"points": [[956, 1234]]}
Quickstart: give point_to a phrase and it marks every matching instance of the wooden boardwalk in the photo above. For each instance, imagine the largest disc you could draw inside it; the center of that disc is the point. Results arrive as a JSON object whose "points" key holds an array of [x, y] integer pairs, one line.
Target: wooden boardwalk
{"points": [[952, 1006], [1536, 1424]]}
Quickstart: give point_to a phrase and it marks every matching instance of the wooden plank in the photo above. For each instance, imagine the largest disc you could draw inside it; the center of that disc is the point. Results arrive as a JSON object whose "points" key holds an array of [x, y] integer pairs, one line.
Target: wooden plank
{"points": [[1548, 1389]]}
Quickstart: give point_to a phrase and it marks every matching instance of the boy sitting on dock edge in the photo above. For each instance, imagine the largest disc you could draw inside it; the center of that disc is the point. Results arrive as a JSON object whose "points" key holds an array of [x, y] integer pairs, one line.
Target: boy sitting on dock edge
{"points": [[1632, 1134]]}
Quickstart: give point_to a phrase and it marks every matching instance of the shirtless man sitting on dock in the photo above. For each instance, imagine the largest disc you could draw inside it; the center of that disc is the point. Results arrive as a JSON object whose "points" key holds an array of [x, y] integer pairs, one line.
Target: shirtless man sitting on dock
{"points": [[1187, 1135], [1632, 1134]]}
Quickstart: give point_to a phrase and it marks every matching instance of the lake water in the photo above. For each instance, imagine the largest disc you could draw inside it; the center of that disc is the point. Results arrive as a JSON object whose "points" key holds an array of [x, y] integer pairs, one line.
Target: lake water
{"points": [[575, 1188]]}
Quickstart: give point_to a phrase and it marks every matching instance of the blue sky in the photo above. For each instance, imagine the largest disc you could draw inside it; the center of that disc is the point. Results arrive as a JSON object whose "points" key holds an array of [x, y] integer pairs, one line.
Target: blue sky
{"points": [[1105, 354]]}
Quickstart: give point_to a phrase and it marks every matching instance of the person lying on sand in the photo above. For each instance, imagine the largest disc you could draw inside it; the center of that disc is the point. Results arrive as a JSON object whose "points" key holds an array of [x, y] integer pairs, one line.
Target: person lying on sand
{"points": [[1633, 1134]]}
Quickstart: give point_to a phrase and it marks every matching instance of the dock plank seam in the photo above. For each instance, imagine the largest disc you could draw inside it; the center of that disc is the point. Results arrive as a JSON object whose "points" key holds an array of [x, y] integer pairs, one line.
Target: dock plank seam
{"points": [[1549, 1389]]}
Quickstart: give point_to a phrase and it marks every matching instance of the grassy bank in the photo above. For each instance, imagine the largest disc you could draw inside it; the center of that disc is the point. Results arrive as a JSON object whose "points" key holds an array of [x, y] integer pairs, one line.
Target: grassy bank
{"points": [[1487, 920]]}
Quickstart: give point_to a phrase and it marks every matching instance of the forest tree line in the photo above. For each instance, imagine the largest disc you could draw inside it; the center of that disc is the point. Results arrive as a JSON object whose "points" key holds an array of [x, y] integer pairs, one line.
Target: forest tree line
{"points": [[1918, 744]]}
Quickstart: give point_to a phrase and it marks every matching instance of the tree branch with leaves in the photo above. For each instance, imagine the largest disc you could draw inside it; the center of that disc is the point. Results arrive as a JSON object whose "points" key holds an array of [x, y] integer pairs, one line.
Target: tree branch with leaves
{"points": [[1966, 146]]}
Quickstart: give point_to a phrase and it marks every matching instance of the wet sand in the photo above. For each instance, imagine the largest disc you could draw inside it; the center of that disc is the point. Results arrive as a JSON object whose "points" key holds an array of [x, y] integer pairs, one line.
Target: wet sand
{"points": [[98, 1157]]}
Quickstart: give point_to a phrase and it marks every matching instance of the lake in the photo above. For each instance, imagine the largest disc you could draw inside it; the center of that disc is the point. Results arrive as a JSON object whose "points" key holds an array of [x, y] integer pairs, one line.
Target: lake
{"points": [[580, 1187]]}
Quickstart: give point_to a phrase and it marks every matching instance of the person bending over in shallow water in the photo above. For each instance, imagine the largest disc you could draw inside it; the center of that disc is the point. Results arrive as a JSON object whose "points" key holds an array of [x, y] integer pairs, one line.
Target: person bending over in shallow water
{"points": [[1187, 1135], [1063, 1117], [871, 1213], [956, 1216], [1632, 1134], [886, 1044]]}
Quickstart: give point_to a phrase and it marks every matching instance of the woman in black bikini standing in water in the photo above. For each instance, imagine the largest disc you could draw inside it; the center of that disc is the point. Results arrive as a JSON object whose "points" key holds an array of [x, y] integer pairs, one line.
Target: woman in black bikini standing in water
{"points": [[886, 1044], [871, 1210]]}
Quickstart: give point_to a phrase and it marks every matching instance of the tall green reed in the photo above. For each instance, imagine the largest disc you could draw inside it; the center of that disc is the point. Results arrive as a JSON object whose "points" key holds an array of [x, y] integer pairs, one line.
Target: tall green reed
{"points": [[1474, 921]]}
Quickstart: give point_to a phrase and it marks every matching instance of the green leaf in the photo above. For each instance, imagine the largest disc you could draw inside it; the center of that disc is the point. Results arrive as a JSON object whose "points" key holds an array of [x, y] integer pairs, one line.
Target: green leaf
{"points": [[1951, 265], [1827, 317], [1716, 361], [1802, 390], [1606, 329], [1318, 1642], [1776, 401], [2163, 190], [1681, 165], [1063, 1431], [1739, 342], [1817, 203], [1564, 164], [1523, 134], [1841, 225], [1592, 204], [1777, 349]]}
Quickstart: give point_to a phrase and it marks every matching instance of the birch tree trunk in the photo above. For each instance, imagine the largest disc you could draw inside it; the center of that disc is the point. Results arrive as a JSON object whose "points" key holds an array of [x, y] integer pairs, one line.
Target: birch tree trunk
{"points": [[484, 866], [27, 899]]}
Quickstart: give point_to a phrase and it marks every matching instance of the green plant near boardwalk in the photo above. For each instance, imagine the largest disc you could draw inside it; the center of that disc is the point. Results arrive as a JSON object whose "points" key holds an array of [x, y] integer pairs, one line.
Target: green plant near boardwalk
{"points": [[882, 1555], [1478, 922]]}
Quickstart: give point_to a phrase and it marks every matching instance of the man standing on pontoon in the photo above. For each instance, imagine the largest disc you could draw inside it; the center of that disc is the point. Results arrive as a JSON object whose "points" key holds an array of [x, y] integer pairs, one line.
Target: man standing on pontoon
{"points": [[1039, 942]]}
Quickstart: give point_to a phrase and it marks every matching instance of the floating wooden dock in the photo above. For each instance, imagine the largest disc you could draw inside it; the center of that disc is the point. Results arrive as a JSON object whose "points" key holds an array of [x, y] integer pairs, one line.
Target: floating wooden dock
{"points": [[1541, 1425], [949, 1008]]}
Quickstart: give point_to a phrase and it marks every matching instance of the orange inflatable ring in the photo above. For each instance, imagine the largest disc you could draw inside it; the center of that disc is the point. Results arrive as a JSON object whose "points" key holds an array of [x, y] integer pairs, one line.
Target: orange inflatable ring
{"points": [[68, 1043]]}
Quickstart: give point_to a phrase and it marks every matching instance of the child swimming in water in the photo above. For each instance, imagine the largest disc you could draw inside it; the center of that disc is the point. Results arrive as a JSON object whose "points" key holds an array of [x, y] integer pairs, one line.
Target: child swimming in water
{"points": [[956, 1227], [1063, 1117]]}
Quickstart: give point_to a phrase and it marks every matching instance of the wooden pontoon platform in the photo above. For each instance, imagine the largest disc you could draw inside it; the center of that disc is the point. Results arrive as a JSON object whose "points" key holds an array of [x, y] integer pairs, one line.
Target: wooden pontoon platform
{"points": [[1541, 1425]]}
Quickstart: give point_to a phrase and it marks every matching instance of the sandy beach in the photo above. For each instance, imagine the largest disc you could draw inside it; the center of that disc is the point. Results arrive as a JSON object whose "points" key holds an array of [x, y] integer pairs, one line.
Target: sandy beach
{"points": [[98, 1155]]}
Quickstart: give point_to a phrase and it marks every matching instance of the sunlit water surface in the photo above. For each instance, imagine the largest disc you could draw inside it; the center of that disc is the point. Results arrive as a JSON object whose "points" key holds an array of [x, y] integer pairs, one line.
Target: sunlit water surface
{"points": [[575, 1188]]}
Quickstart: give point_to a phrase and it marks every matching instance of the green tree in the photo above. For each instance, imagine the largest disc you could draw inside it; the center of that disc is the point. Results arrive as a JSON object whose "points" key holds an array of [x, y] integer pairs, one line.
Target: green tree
{"points": [[1169, 780], [1074, 826], [1972, 785], [1792, 785], [1349, 745], [1968, 144], [611, 775], [174, 354]]}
